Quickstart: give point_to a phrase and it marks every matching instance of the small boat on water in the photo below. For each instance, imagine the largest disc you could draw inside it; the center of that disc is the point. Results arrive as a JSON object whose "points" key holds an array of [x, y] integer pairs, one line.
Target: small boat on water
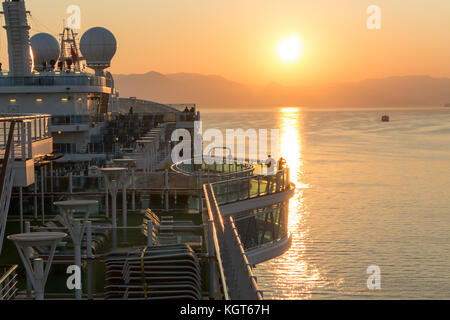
{"points": [[385, 118]]}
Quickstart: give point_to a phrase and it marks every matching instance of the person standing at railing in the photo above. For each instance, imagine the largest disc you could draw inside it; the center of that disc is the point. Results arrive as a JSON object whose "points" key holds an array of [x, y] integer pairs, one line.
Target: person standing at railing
{"points": [[269, 162], [281, 164], [271, 170]]}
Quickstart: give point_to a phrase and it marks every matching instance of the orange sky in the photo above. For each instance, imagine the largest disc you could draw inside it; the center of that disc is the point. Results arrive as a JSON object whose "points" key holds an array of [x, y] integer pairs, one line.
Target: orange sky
{"points": [[237, 38]]}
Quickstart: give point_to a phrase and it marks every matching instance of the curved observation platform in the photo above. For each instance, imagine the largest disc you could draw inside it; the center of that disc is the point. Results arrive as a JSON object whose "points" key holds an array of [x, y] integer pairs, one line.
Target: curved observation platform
{"points": [[257, 203], [213, 172]]}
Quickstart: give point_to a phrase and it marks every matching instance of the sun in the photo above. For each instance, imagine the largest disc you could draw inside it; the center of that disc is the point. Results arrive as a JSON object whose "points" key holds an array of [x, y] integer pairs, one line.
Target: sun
{"points": [[290, 49]]}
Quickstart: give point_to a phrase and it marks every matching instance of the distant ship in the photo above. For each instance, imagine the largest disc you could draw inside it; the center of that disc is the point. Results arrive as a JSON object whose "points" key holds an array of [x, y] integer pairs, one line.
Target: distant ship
{"points": [[447, 105], [385, 118]]}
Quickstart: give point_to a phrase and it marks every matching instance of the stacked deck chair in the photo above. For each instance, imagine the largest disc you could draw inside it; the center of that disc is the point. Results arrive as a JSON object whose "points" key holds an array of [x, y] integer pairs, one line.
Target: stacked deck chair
{"points": [[174, 232], [153, 273], [100, 237]]}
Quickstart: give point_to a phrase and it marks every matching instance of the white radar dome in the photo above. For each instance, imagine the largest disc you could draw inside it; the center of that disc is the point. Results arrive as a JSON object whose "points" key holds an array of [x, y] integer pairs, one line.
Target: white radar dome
{"points": [[45, 48], [98, 46]]}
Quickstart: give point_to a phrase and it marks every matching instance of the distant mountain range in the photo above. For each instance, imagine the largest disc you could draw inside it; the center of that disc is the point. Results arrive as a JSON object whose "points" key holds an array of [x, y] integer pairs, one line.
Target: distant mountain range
{"points": [[211, 91]]}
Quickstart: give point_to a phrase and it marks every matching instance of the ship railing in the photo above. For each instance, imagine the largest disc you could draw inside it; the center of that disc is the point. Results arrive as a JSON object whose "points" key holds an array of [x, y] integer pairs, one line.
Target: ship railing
{"points": [[8, 282], [246, 188], [55, 79], [77, 181], [235, 270], [7, 174], [212, 170], [214, 249], [28, 129], [161, 190], [77, 119]]}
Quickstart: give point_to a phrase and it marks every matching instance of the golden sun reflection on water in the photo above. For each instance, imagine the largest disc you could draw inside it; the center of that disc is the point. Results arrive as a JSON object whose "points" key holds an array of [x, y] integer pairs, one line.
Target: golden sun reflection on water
{"points": [[292, 276], [291, 150]]}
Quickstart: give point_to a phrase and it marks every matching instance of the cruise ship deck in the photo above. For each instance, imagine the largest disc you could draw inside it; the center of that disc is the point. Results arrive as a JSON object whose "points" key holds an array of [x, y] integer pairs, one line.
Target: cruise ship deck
{"points": [[222, 218], [92, 204]]}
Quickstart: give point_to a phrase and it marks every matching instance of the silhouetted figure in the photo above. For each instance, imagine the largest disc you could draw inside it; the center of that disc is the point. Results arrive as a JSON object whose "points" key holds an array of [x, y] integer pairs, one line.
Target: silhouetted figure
{"points": [[1, 64], [131, 110], [269, 161], [52, 64], [60, 65], [281, 163]]}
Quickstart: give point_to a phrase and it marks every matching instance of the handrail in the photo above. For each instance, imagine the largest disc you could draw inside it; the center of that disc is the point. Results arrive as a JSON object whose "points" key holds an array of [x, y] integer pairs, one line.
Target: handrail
{"points": [[245, 259], [247, 178], [5, 190], [7, 157], [8, 273], [217, 252], [240, 279], [6, 117], [251, 187], [8, 282], [55, 79], [29, 128]]}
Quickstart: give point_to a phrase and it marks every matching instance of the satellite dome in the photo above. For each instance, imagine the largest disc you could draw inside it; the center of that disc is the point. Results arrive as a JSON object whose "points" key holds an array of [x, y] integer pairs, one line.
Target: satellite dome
{"points": [[45, 48], [98, 46]]}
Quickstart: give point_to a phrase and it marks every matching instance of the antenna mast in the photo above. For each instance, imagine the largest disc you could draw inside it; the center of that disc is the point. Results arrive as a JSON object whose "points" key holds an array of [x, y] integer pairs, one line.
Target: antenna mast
{"points": [[69, 48]]}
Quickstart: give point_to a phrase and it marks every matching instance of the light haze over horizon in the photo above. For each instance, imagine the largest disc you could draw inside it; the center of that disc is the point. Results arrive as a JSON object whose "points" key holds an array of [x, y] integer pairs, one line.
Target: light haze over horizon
{"points": [[238, 39]]}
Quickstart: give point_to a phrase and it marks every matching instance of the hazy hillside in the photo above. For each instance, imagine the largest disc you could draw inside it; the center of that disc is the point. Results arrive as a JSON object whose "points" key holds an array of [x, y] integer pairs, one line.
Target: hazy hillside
{"points": [[215, 91], [206, 91]]}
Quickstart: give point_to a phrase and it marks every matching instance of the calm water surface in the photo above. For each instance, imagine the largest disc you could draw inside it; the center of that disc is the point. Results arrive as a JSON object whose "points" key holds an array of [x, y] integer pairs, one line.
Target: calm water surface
{"points": [[368, 193]]}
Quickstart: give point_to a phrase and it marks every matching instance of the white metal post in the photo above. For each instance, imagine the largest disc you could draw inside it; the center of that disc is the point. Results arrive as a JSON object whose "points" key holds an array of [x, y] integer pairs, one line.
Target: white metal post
{"points": [[113, 187], [40, 128], [124, 205], [29, 140], [42, 194], [23, 141], [27, 254], [39, 278], [21, 208], [70, 184], [77, 236]]}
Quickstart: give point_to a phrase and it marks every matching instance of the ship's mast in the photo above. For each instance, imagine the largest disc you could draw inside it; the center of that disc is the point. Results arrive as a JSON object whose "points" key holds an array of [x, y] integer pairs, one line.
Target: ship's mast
{"points": [[69, 48], [18, 33]]}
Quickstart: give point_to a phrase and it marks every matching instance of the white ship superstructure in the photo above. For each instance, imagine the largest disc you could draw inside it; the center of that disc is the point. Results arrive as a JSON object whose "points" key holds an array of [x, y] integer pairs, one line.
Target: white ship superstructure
{"points": [[45, 78]]}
